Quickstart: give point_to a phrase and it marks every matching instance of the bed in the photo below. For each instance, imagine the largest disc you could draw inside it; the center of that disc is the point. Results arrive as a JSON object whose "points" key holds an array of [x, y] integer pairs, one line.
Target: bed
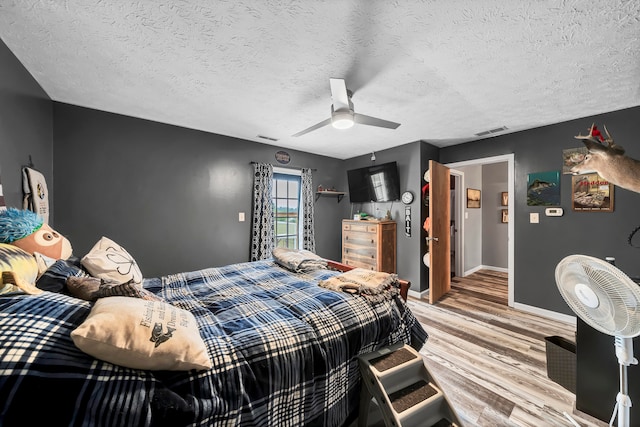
{"points": [[283, 349]]}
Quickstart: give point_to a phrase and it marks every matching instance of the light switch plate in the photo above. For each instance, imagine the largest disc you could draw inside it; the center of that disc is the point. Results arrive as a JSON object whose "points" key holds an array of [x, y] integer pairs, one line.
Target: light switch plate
{"points": [[534, 217]]}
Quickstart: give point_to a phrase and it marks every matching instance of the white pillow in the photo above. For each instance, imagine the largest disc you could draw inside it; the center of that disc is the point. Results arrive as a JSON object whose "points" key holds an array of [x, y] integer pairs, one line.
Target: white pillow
{"points": [[142, 334], [110, 261]]}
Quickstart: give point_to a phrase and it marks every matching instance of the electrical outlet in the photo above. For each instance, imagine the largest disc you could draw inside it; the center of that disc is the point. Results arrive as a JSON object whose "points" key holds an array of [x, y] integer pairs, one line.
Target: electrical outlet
{"points": [[534, 217], [241, 216]]}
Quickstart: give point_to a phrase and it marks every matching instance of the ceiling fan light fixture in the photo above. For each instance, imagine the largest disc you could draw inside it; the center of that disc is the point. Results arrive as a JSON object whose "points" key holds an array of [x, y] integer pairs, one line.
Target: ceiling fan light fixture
{"points": [[342, 119]]}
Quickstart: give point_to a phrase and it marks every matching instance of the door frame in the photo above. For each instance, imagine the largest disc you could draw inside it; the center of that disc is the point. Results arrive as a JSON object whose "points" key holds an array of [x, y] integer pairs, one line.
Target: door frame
{"points": [[459, 208], [457, 215]]}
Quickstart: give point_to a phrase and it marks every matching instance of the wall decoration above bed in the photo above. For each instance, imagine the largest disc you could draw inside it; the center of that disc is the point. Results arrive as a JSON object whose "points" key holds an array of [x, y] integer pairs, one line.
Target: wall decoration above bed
{"points": [[36, 194], [3, 205]]}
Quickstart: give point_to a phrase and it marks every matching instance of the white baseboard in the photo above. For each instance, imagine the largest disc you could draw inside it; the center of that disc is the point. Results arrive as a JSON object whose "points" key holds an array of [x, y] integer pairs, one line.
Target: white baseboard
{"points": [[418, 295], [546, 313], [485, 267]]}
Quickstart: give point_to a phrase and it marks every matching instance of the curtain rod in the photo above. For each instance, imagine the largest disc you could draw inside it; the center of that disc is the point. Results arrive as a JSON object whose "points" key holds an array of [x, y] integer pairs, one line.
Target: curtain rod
{"points": [[286, 167]]}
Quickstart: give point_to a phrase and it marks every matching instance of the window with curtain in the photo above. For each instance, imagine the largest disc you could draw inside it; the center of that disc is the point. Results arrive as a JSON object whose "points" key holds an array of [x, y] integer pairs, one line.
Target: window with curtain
{"points": [[283, 210], [287, 210]]}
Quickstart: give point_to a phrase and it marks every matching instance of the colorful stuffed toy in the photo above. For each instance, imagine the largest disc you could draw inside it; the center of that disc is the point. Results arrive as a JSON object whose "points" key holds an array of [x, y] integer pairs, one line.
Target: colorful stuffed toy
{"points": [[19, 271], [30, 233], [23, 236]]}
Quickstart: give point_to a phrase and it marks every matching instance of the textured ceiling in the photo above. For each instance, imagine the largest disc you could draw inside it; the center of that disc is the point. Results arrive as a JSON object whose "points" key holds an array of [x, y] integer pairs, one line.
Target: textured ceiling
{"points": [[444, 69]]}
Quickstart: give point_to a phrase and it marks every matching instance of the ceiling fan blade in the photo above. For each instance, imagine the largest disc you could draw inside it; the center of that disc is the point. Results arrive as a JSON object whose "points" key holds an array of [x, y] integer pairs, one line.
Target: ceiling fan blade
{"points": [[339, 94], [314, 127], [373, 121]]}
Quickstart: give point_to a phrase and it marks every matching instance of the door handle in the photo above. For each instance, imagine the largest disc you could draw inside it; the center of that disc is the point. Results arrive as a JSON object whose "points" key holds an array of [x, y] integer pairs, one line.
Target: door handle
{"points": [[431, 238]]}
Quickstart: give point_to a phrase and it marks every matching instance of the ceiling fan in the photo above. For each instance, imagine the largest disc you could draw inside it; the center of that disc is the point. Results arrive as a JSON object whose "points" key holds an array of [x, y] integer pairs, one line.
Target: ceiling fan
{"points": [[342, 114]]}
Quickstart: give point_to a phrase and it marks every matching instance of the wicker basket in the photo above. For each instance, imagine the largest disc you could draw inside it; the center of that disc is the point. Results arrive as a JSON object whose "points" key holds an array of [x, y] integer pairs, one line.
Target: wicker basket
{"points": [[561, 362]]}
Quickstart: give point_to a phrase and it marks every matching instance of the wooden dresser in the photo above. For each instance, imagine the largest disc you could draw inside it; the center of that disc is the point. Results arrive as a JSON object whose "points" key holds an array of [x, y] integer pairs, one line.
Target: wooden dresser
{"points": [[369, 244]]}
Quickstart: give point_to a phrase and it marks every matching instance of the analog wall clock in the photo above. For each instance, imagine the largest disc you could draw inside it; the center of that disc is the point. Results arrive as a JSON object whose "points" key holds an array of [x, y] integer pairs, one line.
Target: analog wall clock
{"points": [[407, 197]]}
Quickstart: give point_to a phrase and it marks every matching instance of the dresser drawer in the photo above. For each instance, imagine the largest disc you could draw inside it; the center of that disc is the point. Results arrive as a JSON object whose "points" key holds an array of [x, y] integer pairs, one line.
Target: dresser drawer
{"points": [[356, 238], [362, 253], [369, 245], [360, 264], [360, 226]]}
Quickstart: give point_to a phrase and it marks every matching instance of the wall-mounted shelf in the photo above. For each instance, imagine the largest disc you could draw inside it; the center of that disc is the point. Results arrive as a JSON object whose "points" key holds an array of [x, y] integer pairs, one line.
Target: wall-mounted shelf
{"points": [[338, 194]]}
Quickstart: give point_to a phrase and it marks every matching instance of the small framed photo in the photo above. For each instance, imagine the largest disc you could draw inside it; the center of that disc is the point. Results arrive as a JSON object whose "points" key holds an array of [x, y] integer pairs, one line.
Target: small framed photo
{"points": [[504, 198], [473, 198], [505, 215]]}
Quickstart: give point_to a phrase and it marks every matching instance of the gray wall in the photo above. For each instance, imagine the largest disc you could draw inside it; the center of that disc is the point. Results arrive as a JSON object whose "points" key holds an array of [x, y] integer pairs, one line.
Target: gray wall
{"points": [[495, 233], [25, 128], [539, 247], [472, 218], [408, 158], [172, 196], [169, 195]]}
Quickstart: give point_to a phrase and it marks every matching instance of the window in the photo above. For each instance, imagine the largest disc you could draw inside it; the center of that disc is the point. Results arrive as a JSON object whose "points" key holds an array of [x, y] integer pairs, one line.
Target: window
{"points": [[379, 187], [286, 208]]}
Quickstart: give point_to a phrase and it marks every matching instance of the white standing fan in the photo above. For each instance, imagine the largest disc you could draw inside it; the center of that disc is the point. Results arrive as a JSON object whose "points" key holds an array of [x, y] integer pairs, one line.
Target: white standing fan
{"points": [[609, 301]]}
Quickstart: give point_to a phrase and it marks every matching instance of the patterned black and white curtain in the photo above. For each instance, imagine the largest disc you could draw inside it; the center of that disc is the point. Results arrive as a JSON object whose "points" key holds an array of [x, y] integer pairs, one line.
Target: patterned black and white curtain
{"points": [[308, 233], [262, 232]]}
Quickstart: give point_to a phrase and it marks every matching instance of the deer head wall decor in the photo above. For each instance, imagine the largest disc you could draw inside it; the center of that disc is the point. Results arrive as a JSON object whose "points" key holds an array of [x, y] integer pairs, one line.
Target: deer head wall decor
{"points": [[608, 160]]}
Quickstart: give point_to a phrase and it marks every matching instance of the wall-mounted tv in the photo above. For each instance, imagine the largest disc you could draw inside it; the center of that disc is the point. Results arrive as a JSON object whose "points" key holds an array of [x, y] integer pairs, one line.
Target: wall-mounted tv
{"points": [[376, 183]]}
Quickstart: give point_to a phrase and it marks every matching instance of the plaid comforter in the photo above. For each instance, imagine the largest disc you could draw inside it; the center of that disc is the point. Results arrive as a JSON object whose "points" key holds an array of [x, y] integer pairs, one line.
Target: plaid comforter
{"points": [[283, 351]]}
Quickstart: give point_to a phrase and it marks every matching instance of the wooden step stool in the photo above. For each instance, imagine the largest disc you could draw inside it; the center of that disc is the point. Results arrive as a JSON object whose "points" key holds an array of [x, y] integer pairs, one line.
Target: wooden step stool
{"points": [[408, 396]]}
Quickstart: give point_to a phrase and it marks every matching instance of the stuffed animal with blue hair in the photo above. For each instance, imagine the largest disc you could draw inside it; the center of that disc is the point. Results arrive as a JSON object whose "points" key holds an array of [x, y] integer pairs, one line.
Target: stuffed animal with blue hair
{"points": [[24, 234]]}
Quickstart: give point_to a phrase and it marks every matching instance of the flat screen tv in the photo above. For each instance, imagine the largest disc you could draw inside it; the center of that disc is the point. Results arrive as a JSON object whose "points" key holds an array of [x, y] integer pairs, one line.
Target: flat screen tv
{"points": [[376, 183]]}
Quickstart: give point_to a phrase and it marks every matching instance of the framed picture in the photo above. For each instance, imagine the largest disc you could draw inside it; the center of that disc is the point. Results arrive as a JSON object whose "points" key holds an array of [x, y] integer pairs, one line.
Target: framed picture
{"points": [[572, 157], [543, 189], [505, 215], [504, 198], [591, 193], [473, 198]]}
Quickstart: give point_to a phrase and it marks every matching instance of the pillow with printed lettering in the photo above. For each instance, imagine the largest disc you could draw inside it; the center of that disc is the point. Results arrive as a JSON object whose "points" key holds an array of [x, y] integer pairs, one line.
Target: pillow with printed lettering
{"points": [[142, 334]]}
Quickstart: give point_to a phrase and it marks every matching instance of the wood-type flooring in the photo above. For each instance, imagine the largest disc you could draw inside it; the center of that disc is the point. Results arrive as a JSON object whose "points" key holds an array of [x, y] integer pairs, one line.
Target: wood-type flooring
{"points": [[490, 359]]}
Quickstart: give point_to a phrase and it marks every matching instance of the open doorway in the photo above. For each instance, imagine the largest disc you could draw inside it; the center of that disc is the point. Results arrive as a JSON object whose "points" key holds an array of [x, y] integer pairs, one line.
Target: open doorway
{"points": [[460, 216]]}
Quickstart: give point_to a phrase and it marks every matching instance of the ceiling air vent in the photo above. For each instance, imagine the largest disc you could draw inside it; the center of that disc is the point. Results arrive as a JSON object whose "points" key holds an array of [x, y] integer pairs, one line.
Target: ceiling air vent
{"points": [[267, 138], [492, 131]]}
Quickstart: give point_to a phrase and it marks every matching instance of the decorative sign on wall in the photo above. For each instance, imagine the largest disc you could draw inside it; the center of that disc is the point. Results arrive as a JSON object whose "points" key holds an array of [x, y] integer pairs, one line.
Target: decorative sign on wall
{"points": [[2, 203], [543, 189], [591, 193], [283, 157], [473, 198], [572, 157], [407, 221]]}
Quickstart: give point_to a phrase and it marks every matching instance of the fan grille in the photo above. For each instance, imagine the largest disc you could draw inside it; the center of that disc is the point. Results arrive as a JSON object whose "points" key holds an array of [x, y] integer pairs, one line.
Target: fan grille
{"points": [[617, 309]]}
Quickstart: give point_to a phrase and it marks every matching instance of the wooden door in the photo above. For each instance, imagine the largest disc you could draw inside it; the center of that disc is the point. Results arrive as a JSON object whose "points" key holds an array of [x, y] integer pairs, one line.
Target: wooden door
{"points": [[440, 242]]}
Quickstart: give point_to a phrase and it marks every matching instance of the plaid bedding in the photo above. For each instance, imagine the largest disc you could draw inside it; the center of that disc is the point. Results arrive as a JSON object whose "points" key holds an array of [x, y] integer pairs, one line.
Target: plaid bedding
{"points": [[283, 351]]}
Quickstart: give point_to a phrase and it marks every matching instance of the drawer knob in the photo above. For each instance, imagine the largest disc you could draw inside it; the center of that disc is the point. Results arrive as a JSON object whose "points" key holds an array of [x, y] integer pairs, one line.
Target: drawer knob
{"points": [[371, 240], [346, 238]]}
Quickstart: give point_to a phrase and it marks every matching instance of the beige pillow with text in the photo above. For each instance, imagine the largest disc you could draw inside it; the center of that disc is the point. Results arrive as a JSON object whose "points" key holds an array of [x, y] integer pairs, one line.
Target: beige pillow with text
{"points": [[142, 334]]}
